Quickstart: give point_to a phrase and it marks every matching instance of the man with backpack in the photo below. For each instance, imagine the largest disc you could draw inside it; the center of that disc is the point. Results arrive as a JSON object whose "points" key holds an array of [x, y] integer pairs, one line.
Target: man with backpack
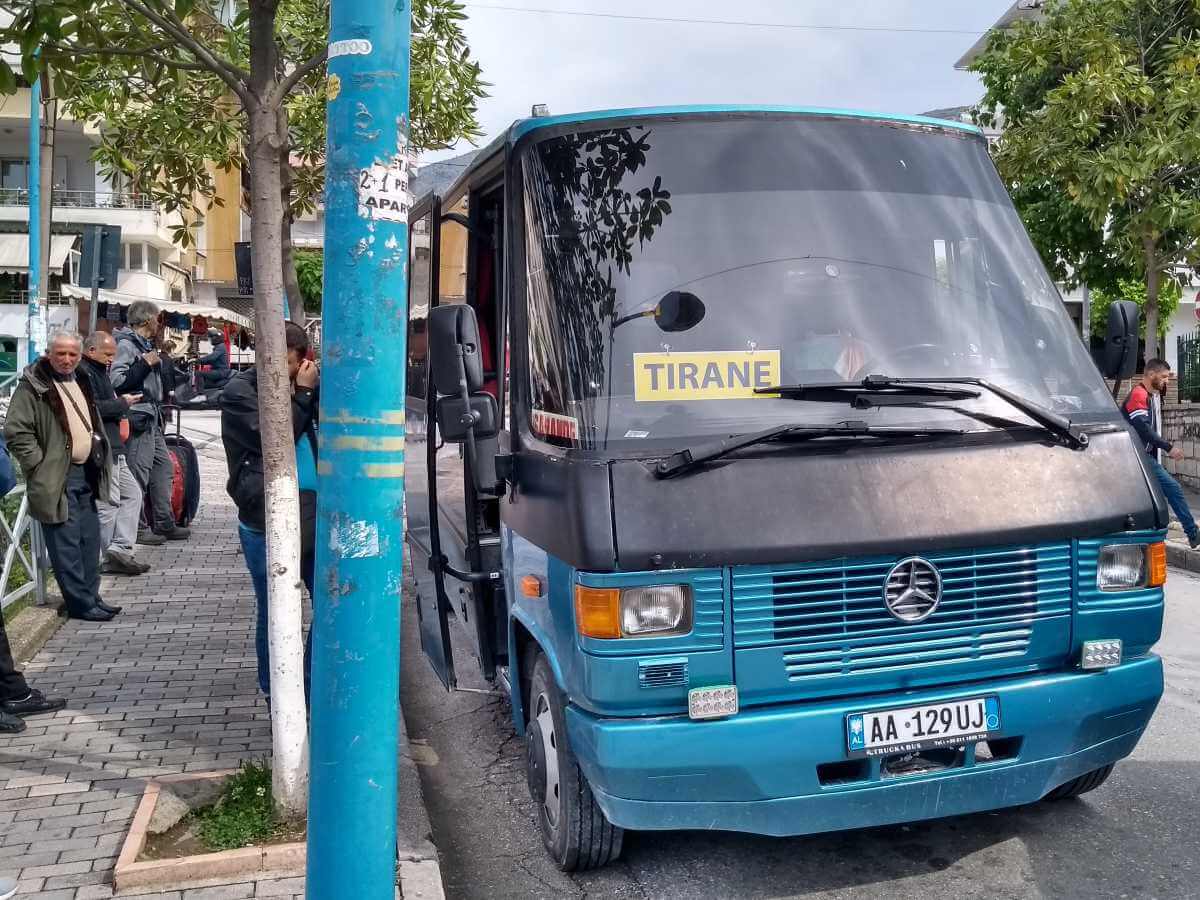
{"points": [[137, 369], [243, 451]]}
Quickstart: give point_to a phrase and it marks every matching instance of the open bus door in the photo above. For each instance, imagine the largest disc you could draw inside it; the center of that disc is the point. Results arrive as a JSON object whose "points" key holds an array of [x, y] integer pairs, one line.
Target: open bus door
{"points": [[420, 491]]}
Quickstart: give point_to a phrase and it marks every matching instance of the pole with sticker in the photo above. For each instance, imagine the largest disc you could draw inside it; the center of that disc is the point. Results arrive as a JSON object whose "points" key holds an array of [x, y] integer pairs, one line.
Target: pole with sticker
{"points": [[360, 484]]}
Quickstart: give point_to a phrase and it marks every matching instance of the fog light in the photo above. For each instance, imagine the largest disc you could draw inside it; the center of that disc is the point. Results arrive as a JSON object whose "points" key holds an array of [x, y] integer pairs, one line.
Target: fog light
{"points": [[1101, 654], [712, 702]]}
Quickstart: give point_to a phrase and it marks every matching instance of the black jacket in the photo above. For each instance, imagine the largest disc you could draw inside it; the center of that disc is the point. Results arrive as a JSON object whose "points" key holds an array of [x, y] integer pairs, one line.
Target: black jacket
{"points": [[218, 359], [243, 449], [112, 408]]}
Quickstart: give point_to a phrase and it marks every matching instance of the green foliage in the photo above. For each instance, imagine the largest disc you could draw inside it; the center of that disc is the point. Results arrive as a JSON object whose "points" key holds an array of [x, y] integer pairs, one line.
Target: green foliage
{"points": [[1131, 289], [160, 75], [243, 815], [310, 274], [1100, 103]]}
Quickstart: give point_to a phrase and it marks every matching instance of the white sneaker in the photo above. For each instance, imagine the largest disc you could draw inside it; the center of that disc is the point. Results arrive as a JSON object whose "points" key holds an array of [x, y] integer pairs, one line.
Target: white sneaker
{"points": [[8, 888]]}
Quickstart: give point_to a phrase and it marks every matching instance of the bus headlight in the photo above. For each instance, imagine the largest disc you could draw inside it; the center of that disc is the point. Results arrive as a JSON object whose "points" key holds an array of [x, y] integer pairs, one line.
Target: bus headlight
{"points": [[660, 610], [652, 611], [1125, 567]]}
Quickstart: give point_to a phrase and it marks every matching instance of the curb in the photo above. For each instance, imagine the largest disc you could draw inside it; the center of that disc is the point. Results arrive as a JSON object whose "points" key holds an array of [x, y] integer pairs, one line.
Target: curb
{"points": [[30, 630], [418, 871], [1181, 556]]}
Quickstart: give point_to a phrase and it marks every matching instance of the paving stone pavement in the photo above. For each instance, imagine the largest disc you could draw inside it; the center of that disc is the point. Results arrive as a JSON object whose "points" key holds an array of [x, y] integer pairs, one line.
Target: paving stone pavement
{"points": [[168, 686]]}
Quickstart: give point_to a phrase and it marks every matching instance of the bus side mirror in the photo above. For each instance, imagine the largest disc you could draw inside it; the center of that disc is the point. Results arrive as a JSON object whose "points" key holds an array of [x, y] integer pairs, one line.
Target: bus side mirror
{"points": [[455, 418], [453, 330], [1121, 341], [679, 311]]}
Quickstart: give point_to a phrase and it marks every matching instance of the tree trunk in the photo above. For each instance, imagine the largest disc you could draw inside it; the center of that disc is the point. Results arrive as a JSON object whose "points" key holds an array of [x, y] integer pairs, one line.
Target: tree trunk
{"points": [[291, 283], [289, 727], [1153, 283]]}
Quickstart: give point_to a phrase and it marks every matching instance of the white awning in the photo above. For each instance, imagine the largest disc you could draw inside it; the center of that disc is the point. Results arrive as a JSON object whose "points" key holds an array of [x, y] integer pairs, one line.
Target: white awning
{"points": [[14, 253], [212, 313]]}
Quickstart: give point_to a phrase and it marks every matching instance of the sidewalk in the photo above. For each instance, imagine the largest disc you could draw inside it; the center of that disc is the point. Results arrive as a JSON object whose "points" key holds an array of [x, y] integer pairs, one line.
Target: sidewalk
{"points": [[169, 686]]}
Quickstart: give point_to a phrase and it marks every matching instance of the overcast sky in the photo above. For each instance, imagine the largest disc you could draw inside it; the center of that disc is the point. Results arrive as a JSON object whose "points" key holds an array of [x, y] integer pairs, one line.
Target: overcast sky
{"points": [[577, 63]]}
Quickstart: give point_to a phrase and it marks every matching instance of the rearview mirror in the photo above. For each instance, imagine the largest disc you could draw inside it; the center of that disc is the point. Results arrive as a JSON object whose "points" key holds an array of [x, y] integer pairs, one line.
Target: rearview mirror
{"points": [[453, 327], [1121, 341], [679, 311]]}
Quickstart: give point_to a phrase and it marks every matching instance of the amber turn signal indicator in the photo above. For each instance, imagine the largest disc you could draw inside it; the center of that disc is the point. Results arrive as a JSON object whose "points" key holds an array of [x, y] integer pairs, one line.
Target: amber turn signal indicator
{"points": [[1158, 564], [531, 586], [598, 612]]}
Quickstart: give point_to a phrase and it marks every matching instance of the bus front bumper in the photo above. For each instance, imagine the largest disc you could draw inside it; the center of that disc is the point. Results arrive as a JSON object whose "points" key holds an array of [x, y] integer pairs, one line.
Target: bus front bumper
{"points": [[758, 771]]}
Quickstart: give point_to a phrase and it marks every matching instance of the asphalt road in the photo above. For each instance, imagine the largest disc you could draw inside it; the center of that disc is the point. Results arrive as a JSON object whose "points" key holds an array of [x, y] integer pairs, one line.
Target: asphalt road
{"points": [[1138, 836]]}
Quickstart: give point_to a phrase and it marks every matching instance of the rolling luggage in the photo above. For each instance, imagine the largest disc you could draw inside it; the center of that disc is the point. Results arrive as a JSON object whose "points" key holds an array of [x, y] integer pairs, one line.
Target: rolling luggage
{"points": [[185, 476]]}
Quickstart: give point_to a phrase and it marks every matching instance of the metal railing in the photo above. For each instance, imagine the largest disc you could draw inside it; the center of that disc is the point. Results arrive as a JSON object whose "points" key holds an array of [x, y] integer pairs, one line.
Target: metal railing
{"points": [[1188, 347], [15, 527], [69, 199]]}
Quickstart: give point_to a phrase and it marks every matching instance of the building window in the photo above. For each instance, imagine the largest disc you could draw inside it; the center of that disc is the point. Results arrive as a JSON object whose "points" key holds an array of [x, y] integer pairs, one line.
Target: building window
{"points": [[14, 173], [134, 261], [176, 295], [152, 260]]}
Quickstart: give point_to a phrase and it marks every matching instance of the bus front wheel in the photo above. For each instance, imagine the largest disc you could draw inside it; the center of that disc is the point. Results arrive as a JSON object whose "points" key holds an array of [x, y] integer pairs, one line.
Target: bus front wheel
{"points": [[574, 828]]}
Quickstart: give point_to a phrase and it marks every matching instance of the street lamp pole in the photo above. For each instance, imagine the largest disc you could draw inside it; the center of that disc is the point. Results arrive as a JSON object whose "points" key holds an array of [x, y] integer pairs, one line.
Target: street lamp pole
{"points": [[360, 524]]}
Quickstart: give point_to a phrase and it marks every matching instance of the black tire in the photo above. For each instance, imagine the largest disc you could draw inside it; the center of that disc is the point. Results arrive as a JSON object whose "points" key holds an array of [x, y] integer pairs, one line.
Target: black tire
{"points": [[1081, 785], [573, 826]]}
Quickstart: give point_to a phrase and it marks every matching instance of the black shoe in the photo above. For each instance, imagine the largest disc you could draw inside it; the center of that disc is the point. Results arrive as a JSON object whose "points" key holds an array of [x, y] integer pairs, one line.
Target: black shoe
{"points": [[144, 567], [1194, 541], [116, 563], [101, 605], [35, 704], [150, 539], [10, 724], [178, 533], [95, 614]]}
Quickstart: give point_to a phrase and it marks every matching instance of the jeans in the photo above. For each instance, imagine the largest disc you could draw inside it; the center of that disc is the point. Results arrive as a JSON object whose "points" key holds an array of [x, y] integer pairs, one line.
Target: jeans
{"points": [[151, 465], [74, 545], [119, 514], [254, 547], [1174, 494]]}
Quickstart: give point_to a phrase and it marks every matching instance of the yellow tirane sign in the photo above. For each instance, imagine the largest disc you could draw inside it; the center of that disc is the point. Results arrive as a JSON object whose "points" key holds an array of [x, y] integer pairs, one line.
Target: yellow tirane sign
{"points": [[709, 375]]}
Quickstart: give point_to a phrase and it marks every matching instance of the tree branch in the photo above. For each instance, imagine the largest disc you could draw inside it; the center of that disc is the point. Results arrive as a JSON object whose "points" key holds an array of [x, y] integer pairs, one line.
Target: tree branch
{"points": [[146, 52], [225, 70], [297, 74]]}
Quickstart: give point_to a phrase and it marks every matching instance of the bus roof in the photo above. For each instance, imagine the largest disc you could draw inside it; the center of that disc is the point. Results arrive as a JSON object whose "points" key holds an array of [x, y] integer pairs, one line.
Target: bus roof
{"points": [[522, 127]]}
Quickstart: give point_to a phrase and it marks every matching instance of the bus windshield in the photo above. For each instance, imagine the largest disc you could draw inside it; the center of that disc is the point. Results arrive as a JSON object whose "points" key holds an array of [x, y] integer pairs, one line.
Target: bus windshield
{"points": [[673, 267]]}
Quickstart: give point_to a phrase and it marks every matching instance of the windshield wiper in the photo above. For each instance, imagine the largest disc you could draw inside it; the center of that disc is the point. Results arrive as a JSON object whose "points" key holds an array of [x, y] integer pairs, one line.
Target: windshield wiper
{"points": [[882, 390], [687, 459]]}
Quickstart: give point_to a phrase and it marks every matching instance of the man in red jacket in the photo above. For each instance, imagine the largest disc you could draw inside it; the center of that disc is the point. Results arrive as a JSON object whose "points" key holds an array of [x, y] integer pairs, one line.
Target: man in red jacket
{"points": [[1141, 408]]}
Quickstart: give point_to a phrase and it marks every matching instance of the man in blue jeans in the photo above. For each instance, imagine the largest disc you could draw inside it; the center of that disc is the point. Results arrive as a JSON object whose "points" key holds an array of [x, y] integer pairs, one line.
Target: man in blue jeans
{"points": [[1141, 408], [243, 452]]}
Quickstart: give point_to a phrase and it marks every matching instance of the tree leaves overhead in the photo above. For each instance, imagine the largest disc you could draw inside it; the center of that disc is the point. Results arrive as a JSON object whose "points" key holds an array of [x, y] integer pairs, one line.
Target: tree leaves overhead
{"points": [[169, 119], [1100, 102]]}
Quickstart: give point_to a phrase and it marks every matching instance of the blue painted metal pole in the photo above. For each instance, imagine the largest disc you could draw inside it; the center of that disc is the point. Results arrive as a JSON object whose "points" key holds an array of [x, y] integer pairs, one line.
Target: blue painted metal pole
{"points": [[37, 314], [360, 525]]}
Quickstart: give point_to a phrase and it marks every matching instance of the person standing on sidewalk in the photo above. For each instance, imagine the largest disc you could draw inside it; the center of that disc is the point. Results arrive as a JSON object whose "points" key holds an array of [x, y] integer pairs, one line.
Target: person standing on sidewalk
{"points": [[137, 369], [243, 451], [54, 432], [119, 512], [16, 697], [1141, 409]]}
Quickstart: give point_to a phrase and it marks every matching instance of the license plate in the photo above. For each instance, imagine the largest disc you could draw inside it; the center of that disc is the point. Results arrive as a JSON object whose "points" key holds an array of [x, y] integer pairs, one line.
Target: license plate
{"points": [[914, 728]]}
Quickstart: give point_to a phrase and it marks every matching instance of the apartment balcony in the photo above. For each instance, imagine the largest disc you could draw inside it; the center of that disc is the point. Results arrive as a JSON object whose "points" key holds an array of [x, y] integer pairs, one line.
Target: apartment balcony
{"points": [[135, 213]]}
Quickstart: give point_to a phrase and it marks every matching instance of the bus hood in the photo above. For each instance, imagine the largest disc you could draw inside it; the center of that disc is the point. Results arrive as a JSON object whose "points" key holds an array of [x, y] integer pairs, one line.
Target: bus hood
{"points": [[795, 507]]}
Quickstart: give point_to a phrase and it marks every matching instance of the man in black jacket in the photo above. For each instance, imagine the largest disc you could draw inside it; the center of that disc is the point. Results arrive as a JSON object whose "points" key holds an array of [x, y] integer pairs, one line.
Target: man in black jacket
{"points": [[243, 451], [120, 510], [217, 360]]}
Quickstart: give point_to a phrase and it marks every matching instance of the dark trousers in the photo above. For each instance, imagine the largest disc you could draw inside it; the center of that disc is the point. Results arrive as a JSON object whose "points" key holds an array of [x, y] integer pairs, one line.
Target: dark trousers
{"points": [[12, 685], [74, 546]]}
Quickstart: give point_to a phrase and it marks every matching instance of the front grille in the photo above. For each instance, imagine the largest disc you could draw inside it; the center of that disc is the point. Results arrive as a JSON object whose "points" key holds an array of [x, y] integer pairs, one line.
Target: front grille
{"points": [[829, 618], [663, 673]]}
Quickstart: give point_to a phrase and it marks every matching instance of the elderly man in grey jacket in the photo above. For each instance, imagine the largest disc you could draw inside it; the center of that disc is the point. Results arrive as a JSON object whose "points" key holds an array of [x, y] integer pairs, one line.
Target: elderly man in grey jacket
{"points": [[137, 369]]}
